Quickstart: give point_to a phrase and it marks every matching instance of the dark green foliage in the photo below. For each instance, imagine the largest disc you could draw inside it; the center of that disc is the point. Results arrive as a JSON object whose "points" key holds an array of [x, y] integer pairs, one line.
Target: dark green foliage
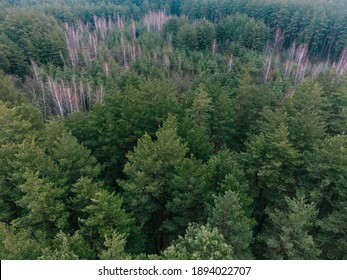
{"points": [[149, 173], [8, 92], [13, 127], [326, 166], [114, 248], [17, 244], [205, 34], [288, 236], [231, 220], [190, 189], [43, 207], [333, 234], [229, 114], [196, 128], [187, 38], [199, 243], [327, 169], [271, 163], [249, 101], [243, 30], [223, 131], [74, 160], [305, 120], [67, 247], [12, 58], [336, 110], [112, 129], [171, 28], [104, 216], [30, 35]]}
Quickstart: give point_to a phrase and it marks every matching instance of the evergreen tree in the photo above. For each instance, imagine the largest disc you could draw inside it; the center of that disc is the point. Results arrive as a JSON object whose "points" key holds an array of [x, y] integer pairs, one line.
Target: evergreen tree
{"points": [[223, 130], [12, 58], [189, 190], [9, 93], [15, 160], [289, 234], [305, 120], [187, 38], [13, 128], [233, 223], [196, 126], [205, 35], [112, 129], [105, 215], [18, 244], [199, 243], [115, 245], [65, 247], [336, 110], [43, 207], [74, 160], [271, 163], [332, 236], [150, 170], [327, 173], [249, 102], [81, 195], [35, 35]]}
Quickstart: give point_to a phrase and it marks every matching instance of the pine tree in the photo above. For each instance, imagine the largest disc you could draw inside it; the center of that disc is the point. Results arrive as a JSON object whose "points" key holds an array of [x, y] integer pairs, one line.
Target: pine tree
{"points": [[336, 110], [74, 160], [305, 119], [9, 93], [271, 163], [18, 244], [189, 190], [115, 246], [223, 130], [150, 170], [13, 60], [327, 169], [205, 35], [13, 128], [233, 223], [43, 208], [65, 247], [199, 243], [289, 233], [196, 126], [104, 216]]}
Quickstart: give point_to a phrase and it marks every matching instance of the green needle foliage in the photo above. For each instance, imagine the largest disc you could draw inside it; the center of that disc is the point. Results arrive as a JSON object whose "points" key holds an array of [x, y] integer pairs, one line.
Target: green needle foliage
{"points": [[289, 233], [173, 129], [199, 243], [232, 222]]}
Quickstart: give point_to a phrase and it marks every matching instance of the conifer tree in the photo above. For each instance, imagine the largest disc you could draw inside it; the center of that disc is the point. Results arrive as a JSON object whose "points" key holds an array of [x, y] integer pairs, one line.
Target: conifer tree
{"points": [[233, 223], [104, 216], [114, 248], [43, 207], [150, 170], [327, 169], [18, 244], [199, 243], [289, 233], [65, 247], [305, 119], [271, 164]]}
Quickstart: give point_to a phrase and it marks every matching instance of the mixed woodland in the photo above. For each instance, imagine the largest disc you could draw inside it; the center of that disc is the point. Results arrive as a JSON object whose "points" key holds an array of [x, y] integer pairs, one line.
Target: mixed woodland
{"points": [[173, 129]]}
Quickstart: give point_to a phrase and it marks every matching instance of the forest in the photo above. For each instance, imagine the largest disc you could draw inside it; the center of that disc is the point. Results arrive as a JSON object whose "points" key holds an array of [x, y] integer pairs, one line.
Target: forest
{"points": [[173, 129]]}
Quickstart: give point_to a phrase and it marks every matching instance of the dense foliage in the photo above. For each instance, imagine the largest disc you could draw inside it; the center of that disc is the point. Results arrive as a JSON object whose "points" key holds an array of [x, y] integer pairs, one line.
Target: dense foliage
{"points": [[179, 129]]}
